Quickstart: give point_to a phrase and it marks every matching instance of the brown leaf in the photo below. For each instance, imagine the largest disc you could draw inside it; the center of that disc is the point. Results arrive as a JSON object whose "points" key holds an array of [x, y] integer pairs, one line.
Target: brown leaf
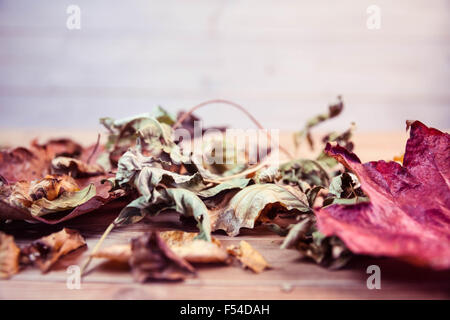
{"points": [[249, 257], [9, 256], [118, 253], [152, 259], [194, 250], [45, 252], [183, 244], [75, 168], [33, 163]]}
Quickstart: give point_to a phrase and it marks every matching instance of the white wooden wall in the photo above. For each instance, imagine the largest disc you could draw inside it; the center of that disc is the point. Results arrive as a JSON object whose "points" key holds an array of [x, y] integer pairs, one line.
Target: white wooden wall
{"points": [[283, 60]]}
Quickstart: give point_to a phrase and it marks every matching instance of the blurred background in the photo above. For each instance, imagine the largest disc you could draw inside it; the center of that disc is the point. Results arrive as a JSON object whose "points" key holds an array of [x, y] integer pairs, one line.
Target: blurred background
{"points": [[283, 60]]}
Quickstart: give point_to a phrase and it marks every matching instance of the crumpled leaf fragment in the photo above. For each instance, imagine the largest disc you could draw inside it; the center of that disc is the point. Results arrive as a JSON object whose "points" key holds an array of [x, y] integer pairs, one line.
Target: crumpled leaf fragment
{"points": [[67, 201], [237, 183], [249, 257], [408, 216], [153, 129], [221, 156], [333, 111], [267, 175], [9, 256], [345, 189], [152, 259], [145, 173], [343, 139], [23, 194], [304, 173], [329, 252], [22, 169], [259, 202], [75, 168], [46, 251], [33, 163], [117, 252], [185, 245], [159, 190], [181, 200], [188, 246]]}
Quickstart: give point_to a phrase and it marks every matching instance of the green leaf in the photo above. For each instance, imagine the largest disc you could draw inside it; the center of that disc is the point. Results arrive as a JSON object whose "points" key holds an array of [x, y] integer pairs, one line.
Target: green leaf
{"points": [[344, 181], [188, 204], [227, 185], [66, 201], [345, 189], [304, 171], [254, 203], [145, 173], [296, 233], [133, 212]]}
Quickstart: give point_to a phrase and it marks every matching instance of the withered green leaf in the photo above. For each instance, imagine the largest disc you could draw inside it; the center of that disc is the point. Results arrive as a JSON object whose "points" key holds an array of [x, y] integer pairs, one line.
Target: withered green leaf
{"points": [[256, 203], [67, 201], [329, 252], [304, 173], [345, 189], [238, 183]]}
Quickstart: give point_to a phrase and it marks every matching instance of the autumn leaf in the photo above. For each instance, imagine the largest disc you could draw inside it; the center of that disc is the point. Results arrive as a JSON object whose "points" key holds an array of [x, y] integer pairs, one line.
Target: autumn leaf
{"points": [[9, 256], [152, 259], [67, 201], [255, 203], [188, 246], [117, 252], [74, 167], [409, 211], [45, 252], [329, 252], [333, 111], [185, 245], [249, 257], [238, 183]]}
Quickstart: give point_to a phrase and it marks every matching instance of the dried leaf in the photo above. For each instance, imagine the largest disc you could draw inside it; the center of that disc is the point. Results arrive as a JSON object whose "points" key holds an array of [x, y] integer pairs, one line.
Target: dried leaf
{"points": [[9, 256], [118, 252], [238, 183], [67, 201], [303, 172], [46, 251], [256, 203], [333, 111], [22, 164], [187, 246], [75, 168], [152, 259], [249, 257], [329, 252], [409, 211]]}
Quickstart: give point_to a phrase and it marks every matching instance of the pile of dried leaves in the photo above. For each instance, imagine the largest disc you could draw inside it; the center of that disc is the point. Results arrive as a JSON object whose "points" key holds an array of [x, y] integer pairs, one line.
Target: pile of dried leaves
{"points": [[326, 211]]}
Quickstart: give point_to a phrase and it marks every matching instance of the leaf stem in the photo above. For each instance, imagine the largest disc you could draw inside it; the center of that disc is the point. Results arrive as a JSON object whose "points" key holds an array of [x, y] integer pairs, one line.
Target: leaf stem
{"points": [[94, 150], [97, 246]]}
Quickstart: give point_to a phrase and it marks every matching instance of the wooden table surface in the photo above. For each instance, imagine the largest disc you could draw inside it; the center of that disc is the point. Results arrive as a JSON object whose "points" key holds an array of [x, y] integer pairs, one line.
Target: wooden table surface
{"points": [[289, 278]]}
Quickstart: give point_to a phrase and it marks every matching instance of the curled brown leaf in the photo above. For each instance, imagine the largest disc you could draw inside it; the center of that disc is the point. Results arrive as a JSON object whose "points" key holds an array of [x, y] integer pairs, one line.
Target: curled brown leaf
{"points": [[9, 256]]}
